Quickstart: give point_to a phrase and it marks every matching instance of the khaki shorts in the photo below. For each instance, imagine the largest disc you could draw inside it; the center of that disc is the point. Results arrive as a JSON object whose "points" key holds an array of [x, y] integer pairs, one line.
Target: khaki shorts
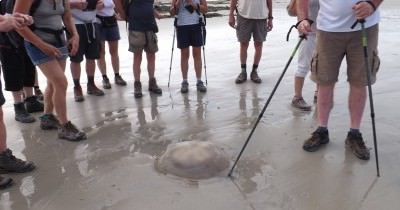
{"points": [[332, 47], [251, 27], [140, 40]]}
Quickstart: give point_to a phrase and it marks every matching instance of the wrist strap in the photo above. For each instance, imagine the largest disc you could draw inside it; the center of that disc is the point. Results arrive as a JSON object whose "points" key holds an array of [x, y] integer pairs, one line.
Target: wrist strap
{"points": [[372, 4]]}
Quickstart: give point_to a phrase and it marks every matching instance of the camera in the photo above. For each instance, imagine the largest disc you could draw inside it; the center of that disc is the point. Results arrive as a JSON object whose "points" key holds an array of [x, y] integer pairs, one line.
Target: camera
{"points": [[91, 5], [189, 8]]}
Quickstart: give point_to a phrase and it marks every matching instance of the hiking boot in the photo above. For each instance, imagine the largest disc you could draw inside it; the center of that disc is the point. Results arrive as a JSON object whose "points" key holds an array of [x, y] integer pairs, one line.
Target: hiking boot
{"points": [[184, 87], [9, 163], [300, 104], [21, 115], [137, 92], [49, 122], [357, 145], [315, 97], [317, 139], [254, 77], [5, 182], [78, 95], [32, 104], [38, 93], [119, 81], [92, 89], [69, 132], [242, 77], [106, 83], [153, 87], [200, 87]]}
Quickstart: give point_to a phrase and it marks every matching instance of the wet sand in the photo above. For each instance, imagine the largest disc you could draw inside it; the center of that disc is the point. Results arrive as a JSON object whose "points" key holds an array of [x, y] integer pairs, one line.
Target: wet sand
{"points": [[114, 168]]}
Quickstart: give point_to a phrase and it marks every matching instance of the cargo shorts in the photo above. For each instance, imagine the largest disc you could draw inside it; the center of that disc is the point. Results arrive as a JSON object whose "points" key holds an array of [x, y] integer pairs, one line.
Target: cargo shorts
{"points": [[141, 40], [332, 47]]}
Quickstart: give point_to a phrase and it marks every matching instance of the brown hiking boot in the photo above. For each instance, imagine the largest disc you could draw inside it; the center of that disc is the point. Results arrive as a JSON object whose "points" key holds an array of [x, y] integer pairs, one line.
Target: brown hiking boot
{"points": [[32, 104], [153, 87], [92, 89], [69, 132], [78, 95], [317, 139], [119, 81], [254, 77], [9, 163], [137, 89], [5, 182], [106, 83], [300, 104], [242, 77], [357, 145]]}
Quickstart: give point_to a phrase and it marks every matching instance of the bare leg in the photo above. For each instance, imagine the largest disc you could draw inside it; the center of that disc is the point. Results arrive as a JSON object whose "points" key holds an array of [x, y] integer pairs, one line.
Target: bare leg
{"points": [[137, 61], [151, 64], [113, 49], [324, 103], [258, 52], [243, 52], [185, 62], [101, 62], [3, 133], [357, 99], [197, 61], [298, 87]]}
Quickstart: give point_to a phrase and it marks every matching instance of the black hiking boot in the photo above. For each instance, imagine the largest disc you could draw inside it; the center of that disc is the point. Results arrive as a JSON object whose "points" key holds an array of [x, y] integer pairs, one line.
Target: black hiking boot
{"points": [[119, 81], [318, 138], [200, 87], [137, 92], [357, 145], [242, 77], [184, 87], [254, 77], [10, 164], [32, 104], [106, 83], [153, 87], [21, 115]]}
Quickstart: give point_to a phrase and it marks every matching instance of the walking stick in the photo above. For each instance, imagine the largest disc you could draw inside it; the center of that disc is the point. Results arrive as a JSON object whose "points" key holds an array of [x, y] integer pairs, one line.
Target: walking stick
{"points": [[364, 40], [172, 51], [203, 39], [302, 37]]}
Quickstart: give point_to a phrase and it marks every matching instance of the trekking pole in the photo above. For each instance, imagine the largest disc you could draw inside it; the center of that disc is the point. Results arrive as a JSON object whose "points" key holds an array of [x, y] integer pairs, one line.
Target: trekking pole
{"points": [[172, 51], [364, 40], [203, 39], [302, 37]]}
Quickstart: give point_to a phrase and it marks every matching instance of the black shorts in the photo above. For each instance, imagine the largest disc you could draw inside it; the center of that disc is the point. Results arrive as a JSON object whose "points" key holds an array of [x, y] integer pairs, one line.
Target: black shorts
{"points": [[190, 35], [89, 42], [18, 68]]}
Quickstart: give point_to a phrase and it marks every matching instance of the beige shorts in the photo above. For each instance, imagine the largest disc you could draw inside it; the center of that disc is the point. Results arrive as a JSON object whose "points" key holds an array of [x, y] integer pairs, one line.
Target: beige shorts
{"points": [[247, 28], [332, 47], [140, 40]]}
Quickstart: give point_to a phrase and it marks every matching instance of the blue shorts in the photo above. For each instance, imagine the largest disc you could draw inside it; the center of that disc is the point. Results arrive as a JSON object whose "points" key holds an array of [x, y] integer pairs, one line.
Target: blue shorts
{"points": [[190, 35], [38, 57], [109, 33]]}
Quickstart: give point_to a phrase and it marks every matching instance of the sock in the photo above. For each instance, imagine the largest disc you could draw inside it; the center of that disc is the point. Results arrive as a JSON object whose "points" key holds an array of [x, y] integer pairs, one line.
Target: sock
{"points": [[243, 67], [198, 81], [36, 87], [354, 130], [322, 129], [90, 80], [105, 76], [77, 83], [116, 74], [255, 66]]}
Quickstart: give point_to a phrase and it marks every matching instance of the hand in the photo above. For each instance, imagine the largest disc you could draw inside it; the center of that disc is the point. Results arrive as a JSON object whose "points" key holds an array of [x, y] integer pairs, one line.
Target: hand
{"points": [[73, 45], [27, 20], [100, 4], [362, 10], [81, 5], [49, 50], [232, 21], [16, 21], [304, 27], [270, 25]]}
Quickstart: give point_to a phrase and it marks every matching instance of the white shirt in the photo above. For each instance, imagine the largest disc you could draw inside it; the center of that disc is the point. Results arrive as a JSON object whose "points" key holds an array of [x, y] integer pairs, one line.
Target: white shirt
{"points": [[108, 9], [253, 9], [338, 16]]}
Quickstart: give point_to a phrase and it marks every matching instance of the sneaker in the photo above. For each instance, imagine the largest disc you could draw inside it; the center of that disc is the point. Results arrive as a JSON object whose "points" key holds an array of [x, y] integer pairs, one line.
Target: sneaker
{"points": [[200, 87], [242, 77], [300, 104], [69, 132], [106, 83], [21, 115], [49, 122], [357, 145], [10, 164], [184, 87], [32, 104], [254, 77], [38, 93], [317, 139], [78, 95], [137, 92], [119, 81], [153, 87], [5, 182], [92, 89]]}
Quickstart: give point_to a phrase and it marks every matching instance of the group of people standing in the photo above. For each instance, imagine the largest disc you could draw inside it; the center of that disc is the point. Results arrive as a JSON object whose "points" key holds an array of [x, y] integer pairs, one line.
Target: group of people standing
{"points": [[58, 29]]}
